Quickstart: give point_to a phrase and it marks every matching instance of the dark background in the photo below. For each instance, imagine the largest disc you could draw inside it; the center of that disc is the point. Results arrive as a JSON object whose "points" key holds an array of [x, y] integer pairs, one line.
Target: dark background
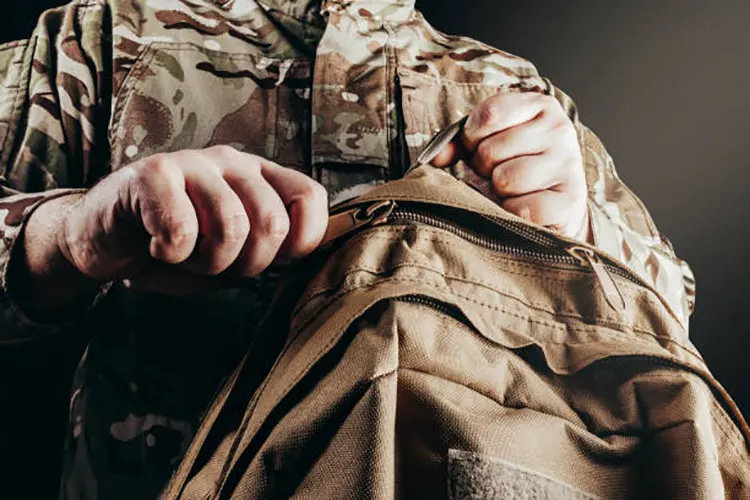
{"points": [[664, 83]]}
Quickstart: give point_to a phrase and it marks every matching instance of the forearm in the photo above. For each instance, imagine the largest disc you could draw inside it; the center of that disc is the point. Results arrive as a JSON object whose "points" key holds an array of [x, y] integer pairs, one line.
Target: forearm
{"points": [[41, 281], [39, 289]]}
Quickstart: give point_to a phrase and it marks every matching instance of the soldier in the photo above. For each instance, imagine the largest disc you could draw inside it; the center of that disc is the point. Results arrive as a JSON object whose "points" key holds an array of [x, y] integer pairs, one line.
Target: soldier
{"points": [[158, 156]]}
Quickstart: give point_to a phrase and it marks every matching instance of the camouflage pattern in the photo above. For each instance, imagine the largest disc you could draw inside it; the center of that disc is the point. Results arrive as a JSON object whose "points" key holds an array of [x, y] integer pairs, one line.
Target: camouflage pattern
{"points": [[348, 91]]}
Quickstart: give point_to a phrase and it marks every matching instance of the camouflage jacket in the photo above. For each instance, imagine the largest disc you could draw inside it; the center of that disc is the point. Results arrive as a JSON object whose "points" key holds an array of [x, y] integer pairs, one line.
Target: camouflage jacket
{"points": [[347, 91]]}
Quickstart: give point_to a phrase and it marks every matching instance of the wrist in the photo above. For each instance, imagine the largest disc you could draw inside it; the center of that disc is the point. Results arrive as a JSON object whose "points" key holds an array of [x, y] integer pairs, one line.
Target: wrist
{"points": [[42, 280]]}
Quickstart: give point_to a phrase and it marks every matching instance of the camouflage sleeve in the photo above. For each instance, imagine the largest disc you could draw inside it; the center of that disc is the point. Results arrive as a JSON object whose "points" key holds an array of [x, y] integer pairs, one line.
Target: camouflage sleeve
{"points": [[622, 226], [51, 115]]}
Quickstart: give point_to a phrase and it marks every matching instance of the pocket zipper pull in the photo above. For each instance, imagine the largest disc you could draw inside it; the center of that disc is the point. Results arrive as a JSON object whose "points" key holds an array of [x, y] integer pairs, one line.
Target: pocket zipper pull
{"points": [[612, 292], [348, 221]]}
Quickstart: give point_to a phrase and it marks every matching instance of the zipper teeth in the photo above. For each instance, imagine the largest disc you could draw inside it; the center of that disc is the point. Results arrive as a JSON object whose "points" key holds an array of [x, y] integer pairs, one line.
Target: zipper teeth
{"points": [[474, 237], [561, 257], [429, 302]]}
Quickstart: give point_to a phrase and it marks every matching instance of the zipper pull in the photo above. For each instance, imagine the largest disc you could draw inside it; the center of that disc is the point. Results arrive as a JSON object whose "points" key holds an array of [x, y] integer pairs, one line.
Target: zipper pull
{"points": [[348, 221], [612, 293]]}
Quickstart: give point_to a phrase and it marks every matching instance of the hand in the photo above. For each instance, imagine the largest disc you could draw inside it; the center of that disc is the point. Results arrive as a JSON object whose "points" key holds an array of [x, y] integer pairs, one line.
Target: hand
{"points": [[528, 147], [174, 222]]}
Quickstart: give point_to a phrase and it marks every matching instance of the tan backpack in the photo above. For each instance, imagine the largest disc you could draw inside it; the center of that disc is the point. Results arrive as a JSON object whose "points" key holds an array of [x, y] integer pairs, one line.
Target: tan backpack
{"points": [[440, 347]]}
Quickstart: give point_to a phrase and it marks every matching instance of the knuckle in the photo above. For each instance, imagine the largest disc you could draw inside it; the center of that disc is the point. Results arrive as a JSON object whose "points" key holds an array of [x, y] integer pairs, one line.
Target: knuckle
{"points": [[313, 192], [276, 225], [552, 112], [222, 151], [156, 167], [235, 228], [485, 154], [503, 179], [251, 165], [320, 192], [563, 134], [178, 231], [562, 125], [487, 113], [227, 157]]}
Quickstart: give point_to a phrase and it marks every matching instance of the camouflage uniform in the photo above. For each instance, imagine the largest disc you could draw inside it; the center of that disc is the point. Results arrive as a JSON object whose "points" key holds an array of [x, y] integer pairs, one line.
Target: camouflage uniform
{"points": [[347, 91]]}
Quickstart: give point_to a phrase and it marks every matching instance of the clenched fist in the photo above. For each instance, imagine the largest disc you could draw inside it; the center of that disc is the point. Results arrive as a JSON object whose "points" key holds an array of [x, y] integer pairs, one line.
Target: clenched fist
{"points": [[528, 147], [173, 222]]}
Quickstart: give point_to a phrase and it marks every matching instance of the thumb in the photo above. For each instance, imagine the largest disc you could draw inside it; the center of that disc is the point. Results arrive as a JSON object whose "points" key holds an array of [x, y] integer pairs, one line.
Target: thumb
{"points": [[449, 155]]}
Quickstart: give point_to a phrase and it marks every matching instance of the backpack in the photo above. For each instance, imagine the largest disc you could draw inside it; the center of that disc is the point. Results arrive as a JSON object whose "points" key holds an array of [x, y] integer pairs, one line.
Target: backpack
{"points": [[439, 347]]}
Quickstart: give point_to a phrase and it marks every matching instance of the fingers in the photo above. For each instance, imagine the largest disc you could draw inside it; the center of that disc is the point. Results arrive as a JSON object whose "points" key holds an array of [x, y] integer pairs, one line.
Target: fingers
{"points": [[288, 211], [528, 139], [525, 143], [223, 221], [527, 174], [500, 112], [504, 126], [269, 220], [218, 211], [307, 203], [157, 191], [558, 210], [449, 155]]}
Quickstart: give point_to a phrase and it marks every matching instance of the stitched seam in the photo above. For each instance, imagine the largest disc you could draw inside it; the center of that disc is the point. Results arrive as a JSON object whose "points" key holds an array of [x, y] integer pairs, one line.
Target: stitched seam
{"points": [[650, 296], [626, 337], [509, 86], [390, 84], [192, 47], [463, 279], [512, 262], [127, 88], [729, 429]]}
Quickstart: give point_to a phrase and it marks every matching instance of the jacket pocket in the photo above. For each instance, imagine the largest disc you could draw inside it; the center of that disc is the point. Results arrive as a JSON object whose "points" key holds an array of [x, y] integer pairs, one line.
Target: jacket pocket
{"points": [[182, 96]]}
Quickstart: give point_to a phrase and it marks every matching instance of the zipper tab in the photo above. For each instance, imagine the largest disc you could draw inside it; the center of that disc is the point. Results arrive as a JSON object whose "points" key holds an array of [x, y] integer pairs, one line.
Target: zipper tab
{"points": [[612, 293], [356, 218]]}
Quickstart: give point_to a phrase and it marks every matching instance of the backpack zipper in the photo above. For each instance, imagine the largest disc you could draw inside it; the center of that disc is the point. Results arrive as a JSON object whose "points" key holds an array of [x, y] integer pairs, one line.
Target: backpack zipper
{"points": [[551, 250], [553, 253]]}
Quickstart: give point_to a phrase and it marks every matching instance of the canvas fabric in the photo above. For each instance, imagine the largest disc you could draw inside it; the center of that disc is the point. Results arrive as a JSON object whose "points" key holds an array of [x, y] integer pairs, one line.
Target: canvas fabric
{"points": [[452, 351]]}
